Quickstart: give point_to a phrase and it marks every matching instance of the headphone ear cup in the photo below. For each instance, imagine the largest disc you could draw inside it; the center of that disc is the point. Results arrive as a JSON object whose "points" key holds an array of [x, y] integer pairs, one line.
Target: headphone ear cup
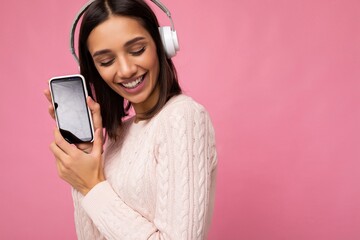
{"points": [[170, 41]]}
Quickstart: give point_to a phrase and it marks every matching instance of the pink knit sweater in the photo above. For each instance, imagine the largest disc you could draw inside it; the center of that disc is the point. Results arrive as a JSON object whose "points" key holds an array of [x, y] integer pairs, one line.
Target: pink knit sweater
{"points": [[160, 179]]}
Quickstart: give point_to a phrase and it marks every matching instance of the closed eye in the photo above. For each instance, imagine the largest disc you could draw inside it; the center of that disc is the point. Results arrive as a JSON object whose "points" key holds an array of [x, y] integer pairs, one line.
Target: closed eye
{"points": [[107, 63], [138, 52]]}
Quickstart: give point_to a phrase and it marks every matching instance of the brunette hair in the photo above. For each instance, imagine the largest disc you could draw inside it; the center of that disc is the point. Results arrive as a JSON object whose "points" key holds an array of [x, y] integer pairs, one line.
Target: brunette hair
{"points": [[113, 106]]}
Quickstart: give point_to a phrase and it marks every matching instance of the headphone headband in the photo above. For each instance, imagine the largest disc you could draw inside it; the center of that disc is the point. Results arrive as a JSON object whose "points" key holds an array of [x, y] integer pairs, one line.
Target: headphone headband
{"points": [[87, 5]]}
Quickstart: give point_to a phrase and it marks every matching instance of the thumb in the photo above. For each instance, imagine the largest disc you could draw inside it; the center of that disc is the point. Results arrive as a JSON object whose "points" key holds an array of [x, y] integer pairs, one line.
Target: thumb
{"points": [[95, 112], [98, 142]]}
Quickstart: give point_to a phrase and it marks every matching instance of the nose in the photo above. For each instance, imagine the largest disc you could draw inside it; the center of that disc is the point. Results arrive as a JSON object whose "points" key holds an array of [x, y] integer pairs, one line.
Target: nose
{"points": [[126, 68]]}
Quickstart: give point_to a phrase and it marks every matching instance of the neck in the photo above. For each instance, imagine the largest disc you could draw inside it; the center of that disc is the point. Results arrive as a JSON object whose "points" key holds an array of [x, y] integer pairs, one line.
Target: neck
{"points": [[149, 103]]}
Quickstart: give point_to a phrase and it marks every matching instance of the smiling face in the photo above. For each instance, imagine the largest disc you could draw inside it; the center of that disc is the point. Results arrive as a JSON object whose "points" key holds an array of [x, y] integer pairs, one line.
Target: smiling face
{"points": [[125, 56]]}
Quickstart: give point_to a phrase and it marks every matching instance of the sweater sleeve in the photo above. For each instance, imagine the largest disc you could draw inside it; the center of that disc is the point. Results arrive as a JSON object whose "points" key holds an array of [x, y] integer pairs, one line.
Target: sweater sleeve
{"points": [[84, 225], [185, 178], [186, 174]]}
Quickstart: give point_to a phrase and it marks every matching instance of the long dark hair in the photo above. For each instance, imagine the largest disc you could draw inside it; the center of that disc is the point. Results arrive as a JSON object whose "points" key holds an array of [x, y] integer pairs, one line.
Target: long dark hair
{"points": [[113, 106]]}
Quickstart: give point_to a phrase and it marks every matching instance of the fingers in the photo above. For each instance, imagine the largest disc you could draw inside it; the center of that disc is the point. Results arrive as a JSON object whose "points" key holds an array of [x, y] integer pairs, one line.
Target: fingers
{"points": [[85, 147], [60, 156], [64, 148], [47, 94], [96, 113], [51, 107], [81, 170], [51, 111], [63, 145], [62, 170], [60, 167]]}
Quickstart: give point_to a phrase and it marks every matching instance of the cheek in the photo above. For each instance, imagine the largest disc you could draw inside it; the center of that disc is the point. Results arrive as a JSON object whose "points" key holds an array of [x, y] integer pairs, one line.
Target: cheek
{"points": [[106, 74], [153, 62]]}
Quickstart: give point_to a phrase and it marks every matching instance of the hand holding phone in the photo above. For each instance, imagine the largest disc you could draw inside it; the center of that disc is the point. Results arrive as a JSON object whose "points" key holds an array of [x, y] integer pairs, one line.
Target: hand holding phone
{"points": [[72, 115], [86, 156]]}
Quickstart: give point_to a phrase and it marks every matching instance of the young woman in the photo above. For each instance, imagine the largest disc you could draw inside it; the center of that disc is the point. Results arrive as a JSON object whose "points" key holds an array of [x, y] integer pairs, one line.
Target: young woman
{"points": [[155, 178]]}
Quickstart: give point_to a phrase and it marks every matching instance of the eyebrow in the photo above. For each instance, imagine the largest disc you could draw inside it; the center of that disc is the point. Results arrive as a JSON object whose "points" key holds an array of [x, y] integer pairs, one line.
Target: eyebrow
{"points": [[132, 41], [127, 44]]}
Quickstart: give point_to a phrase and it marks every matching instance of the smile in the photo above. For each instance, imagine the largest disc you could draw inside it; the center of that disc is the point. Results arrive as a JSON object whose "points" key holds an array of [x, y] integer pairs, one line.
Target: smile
{"points": [[133, 84]]}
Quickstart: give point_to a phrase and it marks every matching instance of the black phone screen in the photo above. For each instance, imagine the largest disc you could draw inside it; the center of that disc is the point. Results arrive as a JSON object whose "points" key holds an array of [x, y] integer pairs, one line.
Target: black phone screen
{"points": [[72, 115]]}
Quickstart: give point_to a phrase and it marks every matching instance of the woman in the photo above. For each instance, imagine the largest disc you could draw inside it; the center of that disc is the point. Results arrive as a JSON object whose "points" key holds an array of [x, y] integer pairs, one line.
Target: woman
{"points": [[155, 178]]}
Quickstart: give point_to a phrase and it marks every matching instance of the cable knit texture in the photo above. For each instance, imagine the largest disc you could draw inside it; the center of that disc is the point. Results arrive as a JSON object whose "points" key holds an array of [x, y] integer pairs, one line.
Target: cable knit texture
{"points": [[160, 179]]}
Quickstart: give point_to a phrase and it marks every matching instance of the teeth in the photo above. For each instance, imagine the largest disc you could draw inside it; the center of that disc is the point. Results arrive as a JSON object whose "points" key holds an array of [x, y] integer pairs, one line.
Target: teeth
{"points": [[133, 83]]}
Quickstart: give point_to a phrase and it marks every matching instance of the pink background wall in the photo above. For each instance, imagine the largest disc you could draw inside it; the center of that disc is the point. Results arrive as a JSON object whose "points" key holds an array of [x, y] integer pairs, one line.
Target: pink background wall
{"points": [[281, 80]]}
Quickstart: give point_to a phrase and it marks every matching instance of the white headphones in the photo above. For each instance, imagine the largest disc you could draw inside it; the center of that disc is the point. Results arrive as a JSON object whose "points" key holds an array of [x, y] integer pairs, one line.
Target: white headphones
{"points": [[168, 34]]}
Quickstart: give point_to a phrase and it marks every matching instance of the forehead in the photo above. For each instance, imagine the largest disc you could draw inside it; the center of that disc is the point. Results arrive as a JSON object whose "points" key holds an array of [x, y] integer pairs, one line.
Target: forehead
{"points": [[115, 31]]}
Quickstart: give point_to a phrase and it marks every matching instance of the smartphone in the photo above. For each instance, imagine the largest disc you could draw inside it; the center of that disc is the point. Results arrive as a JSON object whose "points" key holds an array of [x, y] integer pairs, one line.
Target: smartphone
{"points": [[72, 115]]}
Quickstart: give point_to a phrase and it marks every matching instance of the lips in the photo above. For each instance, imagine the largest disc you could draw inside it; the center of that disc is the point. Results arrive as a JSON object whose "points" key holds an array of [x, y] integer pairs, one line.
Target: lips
{"points": [[134, 83]]}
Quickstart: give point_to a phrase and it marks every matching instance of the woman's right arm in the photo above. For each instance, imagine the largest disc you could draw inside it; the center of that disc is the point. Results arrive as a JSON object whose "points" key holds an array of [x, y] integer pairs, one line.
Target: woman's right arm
{"points": [[83, 223]]}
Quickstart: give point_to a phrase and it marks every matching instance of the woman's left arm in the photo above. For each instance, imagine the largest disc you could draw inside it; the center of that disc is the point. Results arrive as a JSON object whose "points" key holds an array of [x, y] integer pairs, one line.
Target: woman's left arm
{"points": [[186, 174]]}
